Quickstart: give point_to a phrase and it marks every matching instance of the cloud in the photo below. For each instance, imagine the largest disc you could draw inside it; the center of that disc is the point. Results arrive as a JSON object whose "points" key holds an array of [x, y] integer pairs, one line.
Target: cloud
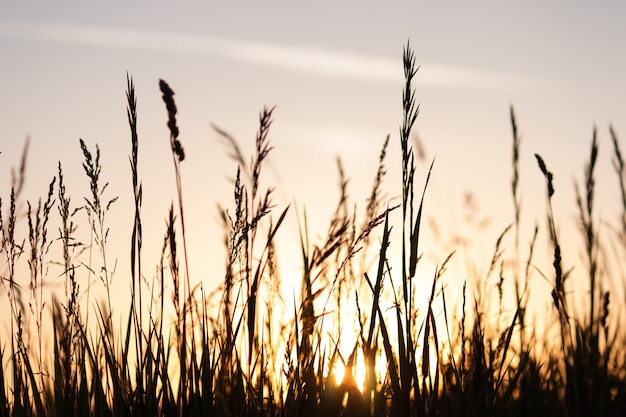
{"points": [[308, 60]]}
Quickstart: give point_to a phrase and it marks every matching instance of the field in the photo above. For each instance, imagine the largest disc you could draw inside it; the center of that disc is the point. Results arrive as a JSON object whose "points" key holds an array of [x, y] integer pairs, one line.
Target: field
{"points": [[357, 339]]}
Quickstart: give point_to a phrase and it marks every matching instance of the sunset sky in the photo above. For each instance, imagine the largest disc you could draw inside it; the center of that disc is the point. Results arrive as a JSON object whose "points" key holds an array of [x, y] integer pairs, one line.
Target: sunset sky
{"points": [[334, 72]]}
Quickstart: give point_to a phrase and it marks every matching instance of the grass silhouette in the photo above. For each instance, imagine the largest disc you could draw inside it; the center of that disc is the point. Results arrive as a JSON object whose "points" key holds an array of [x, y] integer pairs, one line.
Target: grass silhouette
{"points": [[244, 359]]}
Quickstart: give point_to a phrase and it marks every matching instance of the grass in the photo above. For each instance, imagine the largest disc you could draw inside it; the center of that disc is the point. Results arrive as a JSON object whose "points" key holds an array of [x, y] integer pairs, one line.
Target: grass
{"points": [[181, 353]]}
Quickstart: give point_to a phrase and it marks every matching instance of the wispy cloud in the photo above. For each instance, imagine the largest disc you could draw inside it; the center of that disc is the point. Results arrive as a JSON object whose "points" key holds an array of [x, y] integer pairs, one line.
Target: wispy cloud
{"points": [[315, 61]]}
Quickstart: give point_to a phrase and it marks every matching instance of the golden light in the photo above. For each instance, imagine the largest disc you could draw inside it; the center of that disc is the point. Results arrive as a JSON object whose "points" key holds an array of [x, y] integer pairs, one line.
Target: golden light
{"points": [[359, 373], [356, 375], [339, 371]]}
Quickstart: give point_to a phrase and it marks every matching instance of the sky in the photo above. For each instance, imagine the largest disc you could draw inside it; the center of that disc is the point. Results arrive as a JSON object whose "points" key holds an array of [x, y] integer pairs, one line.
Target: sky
{"points": [[334, 72]]}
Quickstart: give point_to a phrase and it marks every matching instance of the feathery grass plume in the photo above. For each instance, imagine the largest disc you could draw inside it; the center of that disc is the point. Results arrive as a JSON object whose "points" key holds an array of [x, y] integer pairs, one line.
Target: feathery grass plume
{"points": [[568, 345], [234, 240], [143, 358], [590, 356], [620, 170], [39, 247], [227, 385], [137, 235], [96, 213], [174, 271], [249, 264], [235, 151], [588, 227], [498, 251], [517, 202], [13, 250], [410, 112], [66, 232], [178, 155], [558, 293], [18, 177], [520, 287], [374, 201], [495, 259], [262, 147], [70, 380], [260, 207], [407, 367], [342, 219], [168, 99]]}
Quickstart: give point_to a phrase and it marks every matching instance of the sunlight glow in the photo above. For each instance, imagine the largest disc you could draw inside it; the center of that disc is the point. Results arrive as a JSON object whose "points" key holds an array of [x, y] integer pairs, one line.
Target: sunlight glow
{"points": [[339, 371], [358, 373]]}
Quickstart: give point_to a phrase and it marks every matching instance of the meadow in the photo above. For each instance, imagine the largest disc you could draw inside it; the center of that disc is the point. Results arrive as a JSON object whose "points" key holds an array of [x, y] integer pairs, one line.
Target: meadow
{"points": [[356, 340]]}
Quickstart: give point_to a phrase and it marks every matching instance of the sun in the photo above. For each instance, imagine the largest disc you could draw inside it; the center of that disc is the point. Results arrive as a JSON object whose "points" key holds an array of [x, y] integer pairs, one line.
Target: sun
{"points": [[338, 372], [350, 376]]}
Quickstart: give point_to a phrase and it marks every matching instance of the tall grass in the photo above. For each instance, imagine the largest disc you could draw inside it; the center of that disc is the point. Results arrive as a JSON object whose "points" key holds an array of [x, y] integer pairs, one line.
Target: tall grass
{"points": [[353, 341]]}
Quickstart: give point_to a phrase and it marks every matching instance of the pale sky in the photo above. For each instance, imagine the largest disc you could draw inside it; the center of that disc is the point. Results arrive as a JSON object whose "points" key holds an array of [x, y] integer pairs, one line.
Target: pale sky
{"points": [[334, 72]]}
